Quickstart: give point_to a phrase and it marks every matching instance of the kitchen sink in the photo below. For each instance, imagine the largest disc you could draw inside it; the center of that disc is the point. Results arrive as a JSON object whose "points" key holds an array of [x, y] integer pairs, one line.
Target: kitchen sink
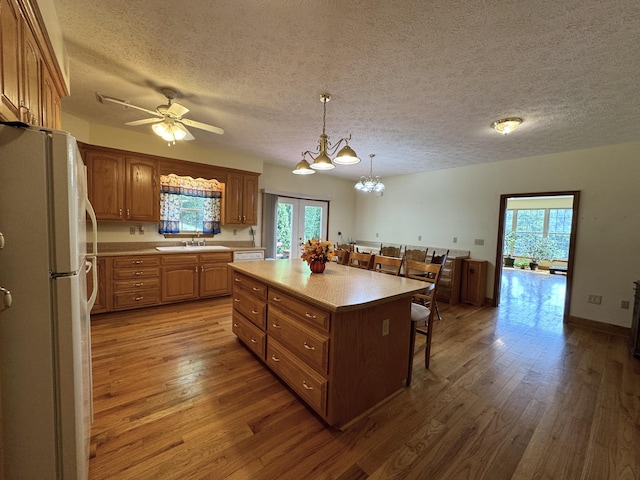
{"points": [[193, 248]]}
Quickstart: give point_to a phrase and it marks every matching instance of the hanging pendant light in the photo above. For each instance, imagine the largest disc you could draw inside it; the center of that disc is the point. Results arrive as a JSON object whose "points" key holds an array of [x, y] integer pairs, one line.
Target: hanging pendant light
{"points": [[370, 184], [321, 157]]}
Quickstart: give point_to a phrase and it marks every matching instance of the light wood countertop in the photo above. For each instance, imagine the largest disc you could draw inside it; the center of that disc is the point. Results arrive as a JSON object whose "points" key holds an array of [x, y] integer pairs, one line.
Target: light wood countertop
{"points": [[338, 289]]}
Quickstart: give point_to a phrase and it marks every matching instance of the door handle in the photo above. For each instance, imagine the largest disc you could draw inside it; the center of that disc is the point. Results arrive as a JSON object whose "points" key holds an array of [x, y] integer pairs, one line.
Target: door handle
{"points": [[6, 298]]}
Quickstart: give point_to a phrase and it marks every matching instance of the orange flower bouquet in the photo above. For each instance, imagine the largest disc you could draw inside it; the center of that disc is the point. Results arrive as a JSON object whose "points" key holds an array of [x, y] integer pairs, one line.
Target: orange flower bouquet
{"points": [[315, 250]]}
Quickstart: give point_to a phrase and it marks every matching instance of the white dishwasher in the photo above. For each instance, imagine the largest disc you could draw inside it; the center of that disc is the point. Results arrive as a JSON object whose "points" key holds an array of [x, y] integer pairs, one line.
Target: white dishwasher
{"points": [[248, 255]]}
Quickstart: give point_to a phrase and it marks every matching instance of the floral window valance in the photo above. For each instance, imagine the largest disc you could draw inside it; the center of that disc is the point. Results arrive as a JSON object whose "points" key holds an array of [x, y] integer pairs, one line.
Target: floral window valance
{"points": [[172, 187]]}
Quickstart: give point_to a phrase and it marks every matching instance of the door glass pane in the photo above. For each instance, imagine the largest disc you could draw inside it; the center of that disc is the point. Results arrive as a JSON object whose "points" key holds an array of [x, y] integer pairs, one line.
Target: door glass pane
{"points": [[312, 222], [284, 235]]}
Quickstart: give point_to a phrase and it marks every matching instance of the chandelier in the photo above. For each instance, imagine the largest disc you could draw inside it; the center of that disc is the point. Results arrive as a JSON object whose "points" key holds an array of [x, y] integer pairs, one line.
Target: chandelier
{"points": [[321, 156], [370, 184]]}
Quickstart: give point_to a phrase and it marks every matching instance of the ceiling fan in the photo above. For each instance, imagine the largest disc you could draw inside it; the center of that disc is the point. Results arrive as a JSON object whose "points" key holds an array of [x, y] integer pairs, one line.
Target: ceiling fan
{"points": [[167, 119]]}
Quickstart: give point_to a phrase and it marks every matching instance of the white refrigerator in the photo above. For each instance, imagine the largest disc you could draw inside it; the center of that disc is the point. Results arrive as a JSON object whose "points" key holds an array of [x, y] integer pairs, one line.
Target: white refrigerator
{"points": [[45, 343]]}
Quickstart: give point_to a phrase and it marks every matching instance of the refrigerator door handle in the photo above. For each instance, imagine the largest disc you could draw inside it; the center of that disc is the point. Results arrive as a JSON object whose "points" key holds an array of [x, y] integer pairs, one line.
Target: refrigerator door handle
{"points": [[93, 258], [6, 298]]}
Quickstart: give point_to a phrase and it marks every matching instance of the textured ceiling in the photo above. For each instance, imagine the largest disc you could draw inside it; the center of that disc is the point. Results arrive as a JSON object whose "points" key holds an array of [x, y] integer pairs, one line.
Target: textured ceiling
{"points": [[415, 82]]}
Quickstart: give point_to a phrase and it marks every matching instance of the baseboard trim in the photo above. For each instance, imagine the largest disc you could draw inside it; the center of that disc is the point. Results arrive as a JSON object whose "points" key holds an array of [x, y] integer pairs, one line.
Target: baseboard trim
{"points": [[600, 326]]}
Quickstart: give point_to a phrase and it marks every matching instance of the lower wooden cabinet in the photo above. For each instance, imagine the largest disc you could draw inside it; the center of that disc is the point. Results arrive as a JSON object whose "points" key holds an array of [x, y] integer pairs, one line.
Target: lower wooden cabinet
{"points": [[135, 281], [474, 281], [188, 277]]}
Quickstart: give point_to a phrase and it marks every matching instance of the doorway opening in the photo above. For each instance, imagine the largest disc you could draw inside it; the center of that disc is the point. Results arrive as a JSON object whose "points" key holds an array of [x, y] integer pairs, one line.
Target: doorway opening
{"points": [[536, 219]]}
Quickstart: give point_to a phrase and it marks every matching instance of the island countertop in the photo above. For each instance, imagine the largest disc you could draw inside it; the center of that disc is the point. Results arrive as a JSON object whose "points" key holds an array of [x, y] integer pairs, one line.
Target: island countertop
{"points": [[340, 288]]}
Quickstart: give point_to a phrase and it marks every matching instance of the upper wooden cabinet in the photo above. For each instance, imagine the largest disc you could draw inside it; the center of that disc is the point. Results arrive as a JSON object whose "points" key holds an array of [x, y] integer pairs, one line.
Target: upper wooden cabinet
{"points": [[30, 82], [241, 199], [122, 187]]}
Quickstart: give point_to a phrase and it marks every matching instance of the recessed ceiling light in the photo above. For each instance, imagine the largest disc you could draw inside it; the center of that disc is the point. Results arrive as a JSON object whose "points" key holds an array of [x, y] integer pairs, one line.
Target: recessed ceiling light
{"points": [[506, 125]]}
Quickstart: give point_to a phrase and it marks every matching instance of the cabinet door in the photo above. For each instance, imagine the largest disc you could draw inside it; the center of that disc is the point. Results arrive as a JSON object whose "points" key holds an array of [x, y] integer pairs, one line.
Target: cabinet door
{"points": [[106, 180], [31, 79], [214, 280], [10, 21], [142, 196], [250, 200], [233, 198], [50, 102], [180, 282]]}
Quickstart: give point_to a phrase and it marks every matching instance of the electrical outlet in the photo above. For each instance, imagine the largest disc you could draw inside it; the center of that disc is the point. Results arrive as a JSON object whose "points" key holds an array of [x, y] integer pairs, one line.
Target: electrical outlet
{"points": [[419, 237], [624, 304], [235, 232], [385, 327], [455, 239], [376, 234], [595, 299], [478, 241], [132, 230]]}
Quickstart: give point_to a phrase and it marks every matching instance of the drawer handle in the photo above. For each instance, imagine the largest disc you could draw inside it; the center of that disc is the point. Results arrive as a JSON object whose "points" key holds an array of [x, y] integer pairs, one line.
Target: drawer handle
{"points": [[277, 299], [253, 340], [309, 315], [138, 273], [235, 325], [308, 347], [275, 325], [237, 300], [138, 262], [256, 289], [137, 299], [274, 358], [139, 284], [236, 279], [255, 312], [304, 384]]}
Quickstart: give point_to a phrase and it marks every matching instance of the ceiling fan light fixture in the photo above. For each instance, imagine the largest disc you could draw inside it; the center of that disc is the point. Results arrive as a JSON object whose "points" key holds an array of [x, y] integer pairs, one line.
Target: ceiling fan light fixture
{"points": [[303, 168], [506, 125]]}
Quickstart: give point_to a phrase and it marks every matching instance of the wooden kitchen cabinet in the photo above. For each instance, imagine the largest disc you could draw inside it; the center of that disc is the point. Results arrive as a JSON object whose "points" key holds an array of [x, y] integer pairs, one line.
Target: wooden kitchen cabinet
{"points": [[241, 199], [122, 187], [188, 277], [30, 81], [474, 282]]}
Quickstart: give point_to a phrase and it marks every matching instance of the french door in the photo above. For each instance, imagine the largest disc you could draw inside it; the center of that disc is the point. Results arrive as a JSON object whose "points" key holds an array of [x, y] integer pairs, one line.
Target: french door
{"points": [[298, 220]]}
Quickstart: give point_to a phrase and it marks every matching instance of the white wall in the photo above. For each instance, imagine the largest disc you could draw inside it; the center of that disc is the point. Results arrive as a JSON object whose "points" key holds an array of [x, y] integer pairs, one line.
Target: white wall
{"points": [[464, 203]]}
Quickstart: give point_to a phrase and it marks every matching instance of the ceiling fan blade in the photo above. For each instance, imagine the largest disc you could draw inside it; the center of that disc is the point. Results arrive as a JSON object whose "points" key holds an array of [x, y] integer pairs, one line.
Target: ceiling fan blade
{"points": [[105, 98], [188, 135], [176, 110], [202, 126], [144, 121]]}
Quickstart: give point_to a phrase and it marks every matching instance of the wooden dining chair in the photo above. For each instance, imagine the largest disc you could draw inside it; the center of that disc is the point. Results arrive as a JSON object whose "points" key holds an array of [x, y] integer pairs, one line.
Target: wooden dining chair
{"points": [[385, 264], [422, 315], [391, 250], [341, 256], [419, 254], [360, 260], [439, 260]]}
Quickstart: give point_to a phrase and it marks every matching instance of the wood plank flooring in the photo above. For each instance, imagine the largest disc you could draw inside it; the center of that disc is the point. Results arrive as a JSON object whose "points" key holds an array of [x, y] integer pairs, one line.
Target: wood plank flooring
{"points": [[512, 393]]}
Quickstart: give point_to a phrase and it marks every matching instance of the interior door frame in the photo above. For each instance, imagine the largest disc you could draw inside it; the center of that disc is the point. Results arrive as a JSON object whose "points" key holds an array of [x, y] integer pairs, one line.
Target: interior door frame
{"points": [[572, 243]]}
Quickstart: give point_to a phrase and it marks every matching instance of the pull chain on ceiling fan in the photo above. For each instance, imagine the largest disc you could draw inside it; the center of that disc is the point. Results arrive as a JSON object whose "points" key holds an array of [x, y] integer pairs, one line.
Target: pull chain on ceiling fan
{"points": [[171, 126]]}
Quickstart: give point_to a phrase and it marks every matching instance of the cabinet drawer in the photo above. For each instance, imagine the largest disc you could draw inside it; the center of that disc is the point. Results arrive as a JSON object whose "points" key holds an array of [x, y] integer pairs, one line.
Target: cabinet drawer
{"points": [[135, 284], [216, 257], [257, 288], [308, 345], [251, 336], [311, 386], [180, 259], [129, 273], [142, 260], [300, 310], [142, 298], [251, 307]]}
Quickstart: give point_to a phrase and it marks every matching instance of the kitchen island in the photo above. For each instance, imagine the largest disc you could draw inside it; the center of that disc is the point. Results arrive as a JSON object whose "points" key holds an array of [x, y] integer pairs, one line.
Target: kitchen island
{"points": [[340, 339]]}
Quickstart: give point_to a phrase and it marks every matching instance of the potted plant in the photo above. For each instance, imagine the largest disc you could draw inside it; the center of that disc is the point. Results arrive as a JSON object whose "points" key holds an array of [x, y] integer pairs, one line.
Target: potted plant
{"points": [[539, 248], [521, 263], [509, 242]]}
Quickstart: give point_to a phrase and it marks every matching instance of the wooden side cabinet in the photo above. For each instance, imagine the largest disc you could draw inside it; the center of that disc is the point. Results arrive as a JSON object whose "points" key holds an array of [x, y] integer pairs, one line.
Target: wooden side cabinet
{"points": [[474, 281], [241, 199], [635, 324]]}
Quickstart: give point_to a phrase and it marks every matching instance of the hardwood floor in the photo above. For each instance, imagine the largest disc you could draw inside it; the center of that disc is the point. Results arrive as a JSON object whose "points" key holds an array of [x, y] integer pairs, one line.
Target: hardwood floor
{"points": [[512, 393]]}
